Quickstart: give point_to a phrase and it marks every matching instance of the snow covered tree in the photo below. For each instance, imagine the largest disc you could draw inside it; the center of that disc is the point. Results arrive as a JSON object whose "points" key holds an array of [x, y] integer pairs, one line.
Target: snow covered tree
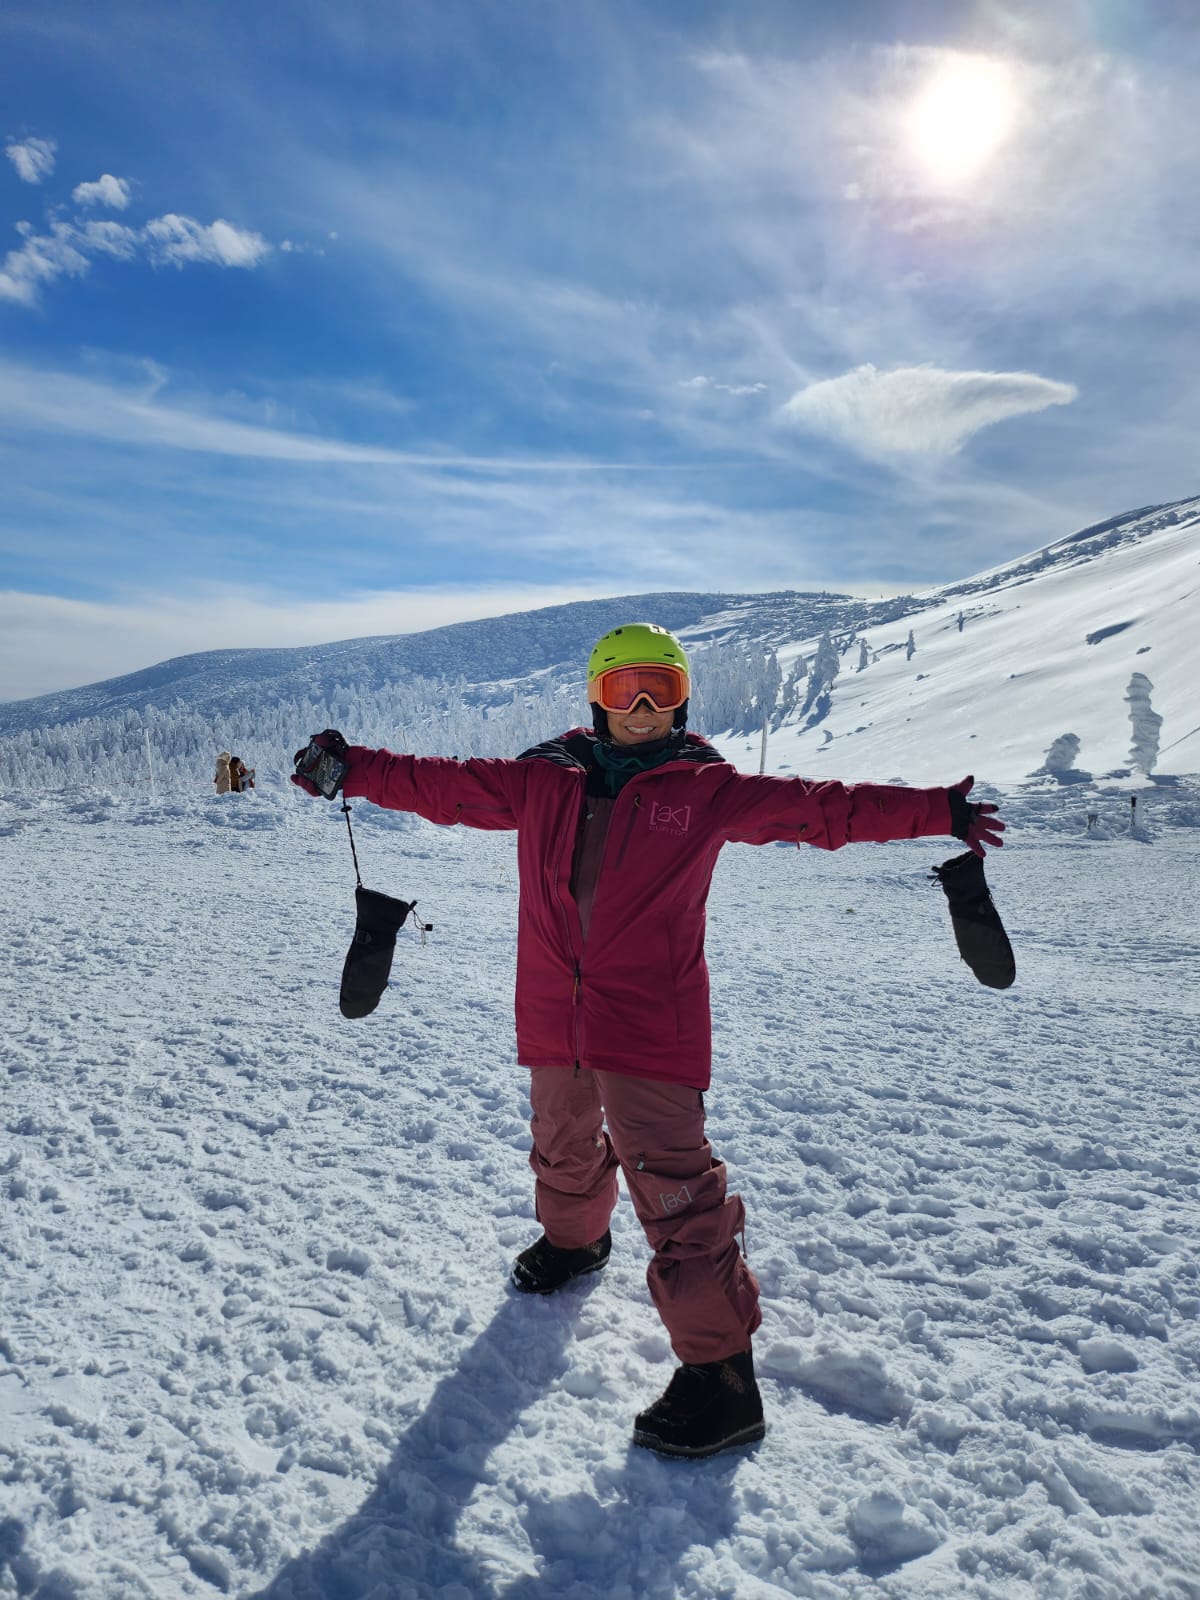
{"points": [[1143, 751], [793, 684], [1061, 756], [723, 688], [822, 671], [864, 656], [768, 683], [910, 646]]}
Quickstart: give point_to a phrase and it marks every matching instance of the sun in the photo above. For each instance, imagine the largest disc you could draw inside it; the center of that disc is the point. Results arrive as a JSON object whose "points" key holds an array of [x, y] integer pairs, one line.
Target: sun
{"points": [[960, 118]]}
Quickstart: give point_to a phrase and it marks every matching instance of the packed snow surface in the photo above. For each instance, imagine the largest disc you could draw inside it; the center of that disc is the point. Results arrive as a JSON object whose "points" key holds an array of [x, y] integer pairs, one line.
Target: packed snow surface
{"points": [[255, 1332]]}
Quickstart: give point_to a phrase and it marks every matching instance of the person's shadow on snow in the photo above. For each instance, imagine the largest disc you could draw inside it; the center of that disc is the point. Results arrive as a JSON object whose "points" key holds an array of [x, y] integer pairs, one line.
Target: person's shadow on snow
{"points": [[628, 1536]]}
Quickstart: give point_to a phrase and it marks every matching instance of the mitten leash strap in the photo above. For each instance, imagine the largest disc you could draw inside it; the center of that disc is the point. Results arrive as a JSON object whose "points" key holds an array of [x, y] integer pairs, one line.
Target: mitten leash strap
{"points": [[350, 831], [422, 927]]}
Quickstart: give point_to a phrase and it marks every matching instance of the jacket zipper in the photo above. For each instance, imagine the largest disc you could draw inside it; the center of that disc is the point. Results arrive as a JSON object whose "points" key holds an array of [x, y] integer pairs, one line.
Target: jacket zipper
{"points": [[577, 1006], [577, 985], [634, 807], [625, 837]]}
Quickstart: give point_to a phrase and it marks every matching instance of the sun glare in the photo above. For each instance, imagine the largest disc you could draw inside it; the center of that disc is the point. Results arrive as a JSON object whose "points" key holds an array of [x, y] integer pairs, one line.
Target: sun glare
{"points": [[960, 119]]}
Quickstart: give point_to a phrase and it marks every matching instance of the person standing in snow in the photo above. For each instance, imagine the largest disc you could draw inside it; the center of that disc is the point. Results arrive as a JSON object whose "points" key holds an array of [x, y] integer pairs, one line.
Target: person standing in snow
{"points": [[241, 777], [619, 828], [221, 778]]}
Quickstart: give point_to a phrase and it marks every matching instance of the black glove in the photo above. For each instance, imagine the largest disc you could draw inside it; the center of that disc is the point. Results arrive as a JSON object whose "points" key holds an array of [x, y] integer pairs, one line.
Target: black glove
{"points": [[975, 824], [321, 766], [978, 931], [369, 959]]}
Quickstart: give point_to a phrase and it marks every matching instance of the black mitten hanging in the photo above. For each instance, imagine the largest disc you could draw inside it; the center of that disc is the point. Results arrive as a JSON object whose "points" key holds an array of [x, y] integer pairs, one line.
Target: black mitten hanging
{"points": [[978, 931], [369, 959]]}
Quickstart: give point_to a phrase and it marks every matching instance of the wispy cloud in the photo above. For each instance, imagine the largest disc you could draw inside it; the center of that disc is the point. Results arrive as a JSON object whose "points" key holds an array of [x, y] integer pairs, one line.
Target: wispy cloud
{"points": [[701, 382], [105, 191], [618, 350], [918, 410], [41, 259], [88, 409], [67, 249], [33, 158], [1077, 196]]}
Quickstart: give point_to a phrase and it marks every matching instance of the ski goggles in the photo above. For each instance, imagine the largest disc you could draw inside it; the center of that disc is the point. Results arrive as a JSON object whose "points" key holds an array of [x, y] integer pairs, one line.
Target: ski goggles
{"points": [[620, 688]]}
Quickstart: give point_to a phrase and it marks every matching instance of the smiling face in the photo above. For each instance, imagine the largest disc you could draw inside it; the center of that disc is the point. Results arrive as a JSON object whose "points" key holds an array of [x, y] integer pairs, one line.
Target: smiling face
{"points": [[642, 725]]}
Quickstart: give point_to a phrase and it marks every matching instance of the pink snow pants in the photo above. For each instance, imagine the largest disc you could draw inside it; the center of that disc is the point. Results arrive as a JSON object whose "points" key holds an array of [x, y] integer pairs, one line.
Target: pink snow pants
{"points": [[701, 1286]]}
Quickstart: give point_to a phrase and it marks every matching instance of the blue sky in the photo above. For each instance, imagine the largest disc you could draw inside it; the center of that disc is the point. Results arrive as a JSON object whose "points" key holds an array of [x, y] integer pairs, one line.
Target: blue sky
{"points": [[326, 320]]}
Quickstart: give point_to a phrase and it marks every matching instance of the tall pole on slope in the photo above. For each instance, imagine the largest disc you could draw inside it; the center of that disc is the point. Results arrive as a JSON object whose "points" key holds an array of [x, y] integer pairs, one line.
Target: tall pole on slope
{"points": [[762, 759], [149, 762]]}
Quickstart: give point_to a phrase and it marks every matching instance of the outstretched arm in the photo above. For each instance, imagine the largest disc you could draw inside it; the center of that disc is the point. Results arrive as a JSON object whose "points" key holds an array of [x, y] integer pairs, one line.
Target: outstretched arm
{"points": [[481, 794], [764, 810]]}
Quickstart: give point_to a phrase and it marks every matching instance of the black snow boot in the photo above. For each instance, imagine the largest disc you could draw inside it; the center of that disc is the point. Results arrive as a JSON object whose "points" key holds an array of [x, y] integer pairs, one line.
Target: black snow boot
{"points": [[544, 1267], [705, 1409]]}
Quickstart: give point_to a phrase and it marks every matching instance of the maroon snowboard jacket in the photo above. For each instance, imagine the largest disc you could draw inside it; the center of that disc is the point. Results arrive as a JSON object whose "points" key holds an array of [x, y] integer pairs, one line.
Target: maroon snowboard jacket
{"points": [[634, 997]]}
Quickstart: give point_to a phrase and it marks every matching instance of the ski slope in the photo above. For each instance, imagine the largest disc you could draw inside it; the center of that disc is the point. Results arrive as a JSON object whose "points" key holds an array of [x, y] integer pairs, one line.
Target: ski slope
{"points": [[1047, 646], [255, 1333]]}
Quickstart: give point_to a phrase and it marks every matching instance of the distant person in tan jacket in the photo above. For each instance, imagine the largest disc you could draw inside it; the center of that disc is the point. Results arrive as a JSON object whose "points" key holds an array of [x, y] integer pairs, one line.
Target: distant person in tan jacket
{"points": [[222, 779]]}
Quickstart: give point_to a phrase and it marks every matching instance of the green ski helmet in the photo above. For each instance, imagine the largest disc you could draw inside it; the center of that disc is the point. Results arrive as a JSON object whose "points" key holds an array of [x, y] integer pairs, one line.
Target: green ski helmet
{"points": [[635, 644]]}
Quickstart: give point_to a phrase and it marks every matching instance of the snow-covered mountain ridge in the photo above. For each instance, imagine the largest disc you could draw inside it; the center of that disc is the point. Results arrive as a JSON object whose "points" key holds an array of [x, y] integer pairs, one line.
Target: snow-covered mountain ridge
{"points": [[1085, 545], [996, 670], [495, 651], [1034, 657]]}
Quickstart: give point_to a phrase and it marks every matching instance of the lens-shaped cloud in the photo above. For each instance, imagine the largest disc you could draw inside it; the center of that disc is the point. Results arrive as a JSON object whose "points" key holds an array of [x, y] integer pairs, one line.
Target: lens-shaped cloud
{"points": [[917, 410]]}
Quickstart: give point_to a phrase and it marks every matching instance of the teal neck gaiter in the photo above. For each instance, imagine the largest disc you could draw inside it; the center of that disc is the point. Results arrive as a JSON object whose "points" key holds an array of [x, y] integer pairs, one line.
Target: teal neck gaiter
{"points": [[619, 763]]}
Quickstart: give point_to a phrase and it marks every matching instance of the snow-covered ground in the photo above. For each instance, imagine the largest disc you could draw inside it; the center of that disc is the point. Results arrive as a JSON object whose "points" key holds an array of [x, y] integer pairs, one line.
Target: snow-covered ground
{"points": [[255, 1334]]}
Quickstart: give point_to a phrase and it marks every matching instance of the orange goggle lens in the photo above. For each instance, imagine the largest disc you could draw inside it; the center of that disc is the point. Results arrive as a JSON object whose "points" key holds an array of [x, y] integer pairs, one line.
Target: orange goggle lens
{"points": [[620, 688]]}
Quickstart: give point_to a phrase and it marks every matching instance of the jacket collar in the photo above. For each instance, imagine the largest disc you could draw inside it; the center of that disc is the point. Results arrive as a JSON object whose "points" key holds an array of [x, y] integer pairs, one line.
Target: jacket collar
{"points": [[574, 749]]}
